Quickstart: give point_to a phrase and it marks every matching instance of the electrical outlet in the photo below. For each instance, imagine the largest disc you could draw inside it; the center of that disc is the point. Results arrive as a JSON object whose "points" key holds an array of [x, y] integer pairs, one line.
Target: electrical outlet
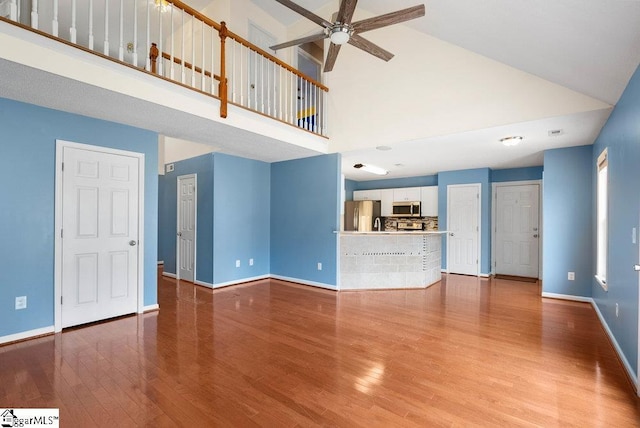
{"points": [[250, 262], [237, 263], [319, 266], [617, 310], [633, 235], [21, 302], [571, 276]]}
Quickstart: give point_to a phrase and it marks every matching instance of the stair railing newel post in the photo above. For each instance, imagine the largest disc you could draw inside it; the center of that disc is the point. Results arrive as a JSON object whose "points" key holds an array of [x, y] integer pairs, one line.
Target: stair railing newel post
{"points": [[153, 57], [222, 86]]}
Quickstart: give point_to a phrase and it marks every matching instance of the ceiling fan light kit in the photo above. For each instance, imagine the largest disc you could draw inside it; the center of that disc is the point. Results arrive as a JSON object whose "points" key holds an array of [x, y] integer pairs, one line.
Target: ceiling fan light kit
{"points": [[343, 31]]}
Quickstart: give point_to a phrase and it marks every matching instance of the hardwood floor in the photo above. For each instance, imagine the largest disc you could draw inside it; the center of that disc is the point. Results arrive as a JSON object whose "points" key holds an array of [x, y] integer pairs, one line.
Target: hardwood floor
{"points": [[465, 352]]}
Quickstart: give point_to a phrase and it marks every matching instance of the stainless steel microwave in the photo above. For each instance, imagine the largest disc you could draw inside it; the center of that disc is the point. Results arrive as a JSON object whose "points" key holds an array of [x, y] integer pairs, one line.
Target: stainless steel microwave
{"points": [[406, 209]]}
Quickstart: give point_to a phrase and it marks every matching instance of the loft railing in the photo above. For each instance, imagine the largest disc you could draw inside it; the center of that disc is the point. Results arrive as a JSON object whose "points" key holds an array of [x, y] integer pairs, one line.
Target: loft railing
{"points": [[179, 43]]}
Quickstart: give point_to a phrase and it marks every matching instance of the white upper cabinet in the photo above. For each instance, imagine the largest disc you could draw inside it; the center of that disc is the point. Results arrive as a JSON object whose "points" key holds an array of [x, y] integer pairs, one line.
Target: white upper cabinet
{"points": [[386, 196], [366, 195], [429, 201], [406, 194]]}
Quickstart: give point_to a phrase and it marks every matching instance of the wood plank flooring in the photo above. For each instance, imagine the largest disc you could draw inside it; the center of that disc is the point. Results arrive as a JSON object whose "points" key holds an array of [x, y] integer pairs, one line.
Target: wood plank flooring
{"points": [[464, 352]]}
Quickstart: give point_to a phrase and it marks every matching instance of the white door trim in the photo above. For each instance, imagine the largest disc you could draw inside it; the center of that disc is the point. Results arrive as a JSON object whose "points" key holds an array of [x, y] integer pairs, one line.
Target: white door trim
{"points": [[479, 186], [494, 204], [195, 224], [60, 145]]}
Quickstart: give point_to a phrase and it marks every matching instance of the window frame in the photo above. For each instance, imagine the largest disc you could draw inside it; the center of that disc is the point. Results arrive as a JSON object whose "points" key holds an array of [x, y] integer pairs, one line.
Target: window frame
{"points": [[602, 219]]}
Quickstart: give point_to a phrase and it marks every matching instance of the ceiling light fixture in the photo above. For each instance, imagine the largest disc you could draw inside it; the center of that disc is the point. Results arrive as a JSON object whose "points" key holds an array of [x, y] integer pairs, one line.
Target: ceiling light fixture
{"points": [[511, 141], [163, 5], [340, 33], [383, 148], [371, 168]]}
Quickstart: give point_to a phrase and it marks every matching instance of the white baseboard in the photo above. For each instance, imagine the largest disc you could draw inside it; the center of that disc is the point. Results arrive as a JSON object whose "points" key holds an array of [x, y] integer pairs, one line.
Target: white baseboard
{"points": [[239, 281], [484, 275], [170, 275], [614, 342], [204, 284], [567, 297], [305, 282], [150, 308], [160, 262], [617, 347], [27, 334]]}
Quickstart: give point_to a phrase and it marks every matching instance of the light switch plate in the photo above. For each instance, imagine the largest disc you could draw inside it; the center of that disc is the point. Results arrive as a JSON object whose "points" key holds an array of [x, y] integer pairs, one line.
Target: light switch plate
{"points": [[21, 302]]}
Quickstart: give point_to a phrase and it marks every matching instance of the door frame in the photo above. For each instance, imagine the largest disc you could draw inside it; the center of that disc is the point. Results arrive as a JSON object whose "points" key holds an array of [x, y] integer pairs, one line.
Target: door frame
{"points": [[479, 187], [60, 145], [195, 223], [494, 206]]}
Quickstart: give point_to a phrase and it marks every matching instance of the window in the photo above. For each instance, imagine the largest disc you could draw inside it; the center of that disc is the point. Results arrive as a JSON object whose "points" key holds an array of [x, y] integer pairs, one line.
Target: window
{"points": [[602, 211]]}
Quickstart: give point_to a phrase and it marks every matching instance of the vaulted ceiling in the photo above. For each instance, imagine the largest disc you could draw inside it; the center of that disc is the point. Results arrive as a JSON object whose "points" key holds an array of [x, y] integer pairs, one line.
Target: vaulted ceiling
{"points": [[572, 59]]}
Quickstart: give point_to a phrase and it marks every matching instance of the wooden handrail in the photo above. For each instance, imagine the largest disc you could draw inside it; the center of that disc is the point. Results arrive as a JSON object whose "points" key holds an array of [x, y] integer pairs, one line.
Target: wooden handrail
{"points": [[245, 42], [178, 61]]}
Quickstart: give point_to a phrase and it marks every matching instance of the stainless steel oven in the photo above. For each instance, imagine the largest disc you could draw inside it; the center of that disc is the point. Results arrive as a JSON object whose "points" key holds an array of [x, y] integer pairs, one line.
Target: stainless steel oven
{"points": [[406, 209]]}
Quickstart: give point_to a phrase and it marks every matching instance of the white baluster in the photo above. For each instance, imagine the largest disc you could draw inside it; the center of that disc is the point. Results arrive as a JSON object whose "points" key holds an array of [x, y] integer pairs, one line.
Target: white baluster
{"points": [[121, 47], [54, 21], [203, 81], [182, 78], [281, 92], [232, 45], [134, 56], [171, 68], [91, 38], [193, 51], [241, 76], [73, 32], [262, 85], [160, 42], [13, 10], [213, 43], [106, 27], [148, 45], [268, 85], [34, 14]]}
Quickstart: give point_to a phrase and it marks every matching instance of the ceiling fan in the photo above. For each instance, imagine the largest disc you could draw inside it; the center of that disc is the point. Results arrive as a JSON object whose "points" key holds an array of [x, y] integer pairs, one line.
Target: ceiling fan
{"points": [[342, 30]]}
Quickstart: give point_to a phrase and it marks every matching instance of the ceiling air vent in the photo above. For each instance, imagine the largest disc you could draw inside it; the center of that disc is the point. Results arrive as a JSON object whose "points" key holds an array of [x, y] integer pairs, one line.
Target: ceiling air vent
{"points": [[556, 132]]}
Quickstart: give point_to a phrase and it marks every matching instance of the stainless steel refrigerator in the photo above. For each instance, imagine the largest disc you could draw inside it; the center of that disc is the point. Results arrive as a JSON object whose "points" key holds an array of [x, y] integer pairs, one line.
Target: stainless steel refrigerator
{"points": [[360, 215]]}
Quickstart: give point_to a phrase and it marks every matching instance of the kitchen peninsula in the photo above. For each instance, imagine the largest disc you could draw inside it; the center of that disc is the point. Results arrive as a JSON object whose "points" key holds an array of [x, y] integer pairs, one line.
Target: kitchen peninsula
{"points": [[387, 260]]}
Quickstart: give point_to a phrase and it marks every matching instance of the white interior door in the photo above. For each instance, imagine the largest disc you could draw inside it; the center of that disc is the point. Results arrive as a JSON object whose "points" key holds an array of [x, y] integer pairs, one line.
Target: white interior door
{"points": [[186, 248], [99, 245], [463, 219], [517, 230]]}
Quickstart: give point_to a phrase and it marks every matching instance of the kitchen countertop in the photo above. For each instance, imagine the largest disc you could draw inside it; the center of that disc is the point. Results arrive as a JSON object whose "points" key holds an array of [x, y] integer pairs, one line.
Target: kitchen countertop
{"points": [[395, 232]]}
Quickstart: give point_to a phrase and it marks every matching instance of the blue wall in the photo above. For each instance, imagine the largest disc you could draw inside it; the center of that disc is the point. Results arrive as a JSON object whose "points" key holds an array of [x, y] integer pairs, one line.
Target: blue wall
{"points": [[241, 218], [516, 174], [468, 176], [27, 150], [349, 187], [305, 197], [390, 183], [167, 217], [621, 137], [567, 208]]}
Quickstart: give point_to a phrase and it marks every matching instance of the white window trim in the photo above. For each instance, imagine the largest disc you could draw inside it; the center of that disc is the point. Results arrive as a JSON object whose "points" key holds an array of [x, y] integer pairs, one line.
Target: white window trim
{"points": [[602, 162]]}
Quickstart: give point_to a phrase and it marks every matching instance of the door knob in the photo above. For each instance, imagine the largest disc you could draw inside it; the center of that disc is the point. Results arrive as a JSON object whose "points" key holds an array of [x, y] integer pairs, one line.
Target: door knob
{"points": [[179, 233], [133, 242], [451, 234], [535, 236], [636, 268]]}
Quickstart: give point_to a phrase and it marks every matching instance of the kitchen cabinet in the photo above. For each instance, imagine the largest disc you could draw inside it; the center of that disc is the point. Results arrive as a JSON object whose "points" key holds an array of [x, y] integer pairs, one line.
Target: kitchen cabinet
{"points": [[406, 194], [366, 195], [386, 197], [429, 201]]}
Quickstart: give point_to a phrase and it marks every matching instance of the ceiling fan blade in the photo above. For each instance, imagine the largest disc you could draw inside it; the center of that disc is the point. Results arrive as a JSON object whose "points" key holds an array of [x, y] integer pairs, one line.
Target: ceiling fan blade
{"points": [[347, 7], [370, 47], [299, 41], [331, 57], [304, 12], [389, 19]]}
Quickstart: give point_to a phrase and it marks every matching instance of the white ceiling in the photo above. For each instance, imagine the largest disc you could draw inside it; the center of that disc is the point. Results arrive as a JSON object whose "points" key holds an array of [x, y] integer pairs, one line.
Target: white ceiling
{"points": [[589, 46]]}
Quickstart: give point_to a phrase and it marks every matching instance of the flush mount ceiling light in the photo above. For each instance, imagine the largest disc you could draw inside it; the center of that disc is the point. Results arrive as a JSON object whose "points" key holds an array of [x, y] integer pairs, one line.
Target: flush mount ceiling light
{"points": [[340, 33], [371, 168], [511, 141], [383, 148]]}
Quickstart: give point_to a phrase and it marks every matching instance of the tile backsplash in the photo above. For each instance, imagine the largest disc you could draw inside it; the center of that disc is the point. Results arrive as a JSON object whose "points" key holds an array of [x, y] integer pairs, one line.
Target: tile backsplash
{"points": [[430, 223]]}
